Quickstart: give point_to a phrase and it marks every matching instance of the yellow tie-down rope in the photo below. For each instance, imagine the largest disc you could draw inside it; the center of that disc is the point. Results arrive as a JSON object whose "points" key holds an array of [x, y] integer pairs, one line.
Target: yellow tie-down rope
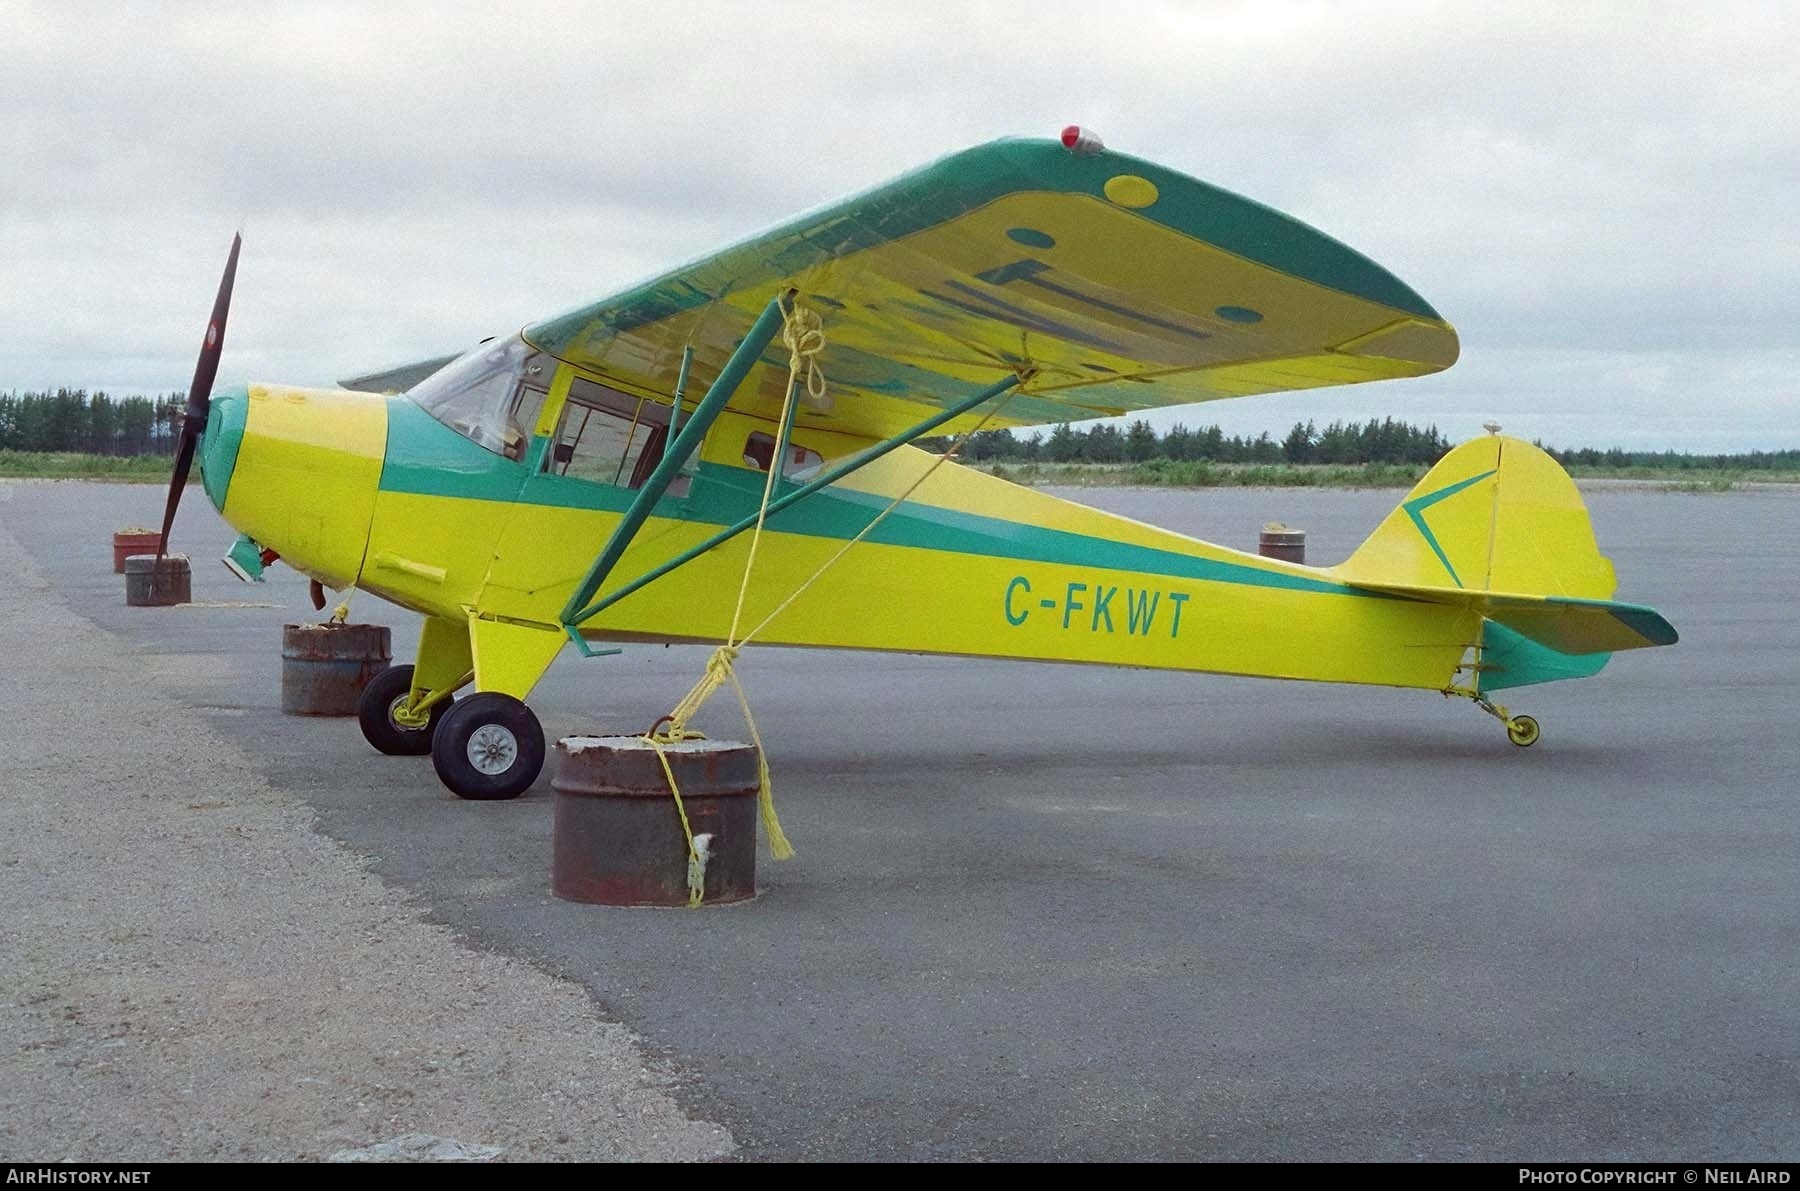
{"points": [[803, 333]]}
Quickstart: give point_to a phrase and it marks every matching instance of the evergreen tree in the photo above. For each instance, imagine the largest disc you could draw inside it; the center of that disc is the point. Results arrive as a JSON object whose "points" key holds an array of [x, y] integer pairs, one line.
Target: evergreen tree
{"points": [[1298, 446], [988, 444], [1140, 441], [1211, 445], [1104, 445]]}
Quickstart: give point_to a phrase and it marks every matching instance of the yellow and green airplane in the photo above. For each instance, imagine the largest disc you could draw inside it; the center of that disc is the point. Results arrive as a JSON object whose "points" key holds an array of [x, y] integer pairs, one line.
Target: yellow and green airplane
{"points": [[598, 476]]}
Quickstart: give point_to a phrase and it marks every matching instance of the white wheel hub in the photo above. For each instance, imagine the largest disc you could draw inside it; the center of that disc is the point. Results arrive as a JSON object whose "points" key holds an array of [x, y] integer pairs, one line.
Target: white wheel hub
{"points": [[492, 749]]}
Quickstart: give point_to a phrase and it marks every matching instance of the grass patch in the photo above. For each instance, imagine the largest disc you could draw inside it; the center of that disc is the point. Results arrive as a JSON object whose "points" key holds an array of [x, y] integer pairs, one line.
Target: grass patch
{"points": [[1168, 473], [1689, 479], [1715, 484], [65, 465]]}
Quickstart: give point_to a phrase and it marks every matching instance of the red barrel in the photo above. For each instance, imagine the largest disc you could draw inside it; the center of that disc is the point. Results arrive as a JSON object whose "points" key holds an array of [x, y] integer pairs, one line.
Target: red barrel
{"points": [[127, 542], [616, 835]]}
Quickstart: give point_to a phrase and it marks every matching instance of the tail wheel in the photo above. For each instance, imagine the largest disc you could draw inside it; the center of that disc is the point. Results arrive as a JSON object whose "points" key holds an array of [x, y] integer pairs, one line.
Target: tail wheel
{"points": [[1522, 730], [489, 747], [375, 712]]}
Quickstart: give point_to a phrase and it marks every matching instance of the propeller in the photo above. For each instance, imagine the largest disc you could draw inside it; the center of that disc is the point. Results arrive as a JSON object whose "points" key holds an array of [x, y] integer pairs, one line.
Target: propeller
{"points": [[199, 402]]}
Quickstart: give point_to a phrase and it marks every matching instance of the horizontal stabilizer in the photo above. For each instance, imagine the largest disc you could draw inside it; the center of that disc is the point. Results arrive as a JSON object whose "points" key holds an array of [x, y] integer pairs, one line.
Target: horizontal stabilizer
{"points": [[1566, 624]]}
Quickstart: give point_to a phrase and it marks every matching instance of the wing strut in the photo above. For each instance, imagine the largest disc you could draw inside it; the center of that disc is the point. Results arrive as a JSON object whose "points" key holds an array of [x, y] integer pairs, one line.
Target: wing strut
{"points": [[861, 459], [686, 443]]}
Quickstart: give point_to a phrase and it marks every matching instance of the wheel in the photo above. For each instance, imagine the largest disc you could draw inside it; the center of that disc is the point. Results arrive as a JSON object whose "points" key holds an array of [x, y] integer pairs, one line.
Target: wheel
{"points": [[1522, 730], [488, 747], [375, 712]]}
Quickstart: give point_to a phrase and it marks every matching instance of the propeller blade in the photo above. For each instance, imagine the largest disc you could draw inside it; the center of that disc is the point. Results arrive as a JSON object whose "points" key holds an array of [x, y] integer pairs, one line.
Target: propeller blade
{"points": [[199, 402]]}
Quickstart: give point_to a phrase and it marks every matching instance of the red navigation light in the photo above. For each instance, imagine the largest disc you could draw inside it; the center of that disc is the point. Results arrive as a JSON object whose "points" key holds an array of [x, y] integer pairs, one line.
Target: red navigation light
{"points": [[1077, 139]]}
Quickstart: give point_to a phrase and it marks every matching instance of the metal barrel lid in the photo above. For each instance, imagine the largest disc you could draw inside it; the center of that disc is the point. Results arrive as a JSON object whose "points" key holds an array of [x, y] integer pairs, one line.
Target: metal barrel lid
{"points": [[627, 766]]}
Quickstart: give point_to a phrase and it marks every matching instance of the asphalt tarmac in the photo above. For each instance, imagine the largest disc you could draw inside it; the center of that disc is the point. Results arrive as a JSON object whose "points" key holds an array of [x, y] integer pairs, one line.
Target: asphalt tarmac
{"points": [[1057, 912]]}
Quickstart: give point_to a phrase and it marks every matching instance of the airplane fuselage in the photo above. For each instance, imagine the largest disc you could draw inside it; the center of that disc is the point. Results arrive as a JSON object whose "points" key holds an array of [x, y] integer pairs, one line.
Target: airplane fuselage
{"points": [[370, 491]]}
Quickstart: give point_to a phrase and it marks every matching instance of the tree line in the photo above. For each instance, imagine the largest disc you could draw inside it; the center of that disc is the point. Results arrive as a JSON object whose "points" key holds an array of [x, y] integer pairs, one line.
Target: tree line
{"points": [[1383, 441], [1677, 460], [91, 423]]}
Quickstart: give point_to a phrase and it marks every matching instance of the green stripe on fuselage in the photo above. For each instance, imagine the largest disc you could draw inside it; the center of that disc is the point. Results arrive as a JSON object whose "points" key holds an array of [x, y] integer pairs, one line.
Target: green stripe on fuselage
{"points": [[427, 457]]}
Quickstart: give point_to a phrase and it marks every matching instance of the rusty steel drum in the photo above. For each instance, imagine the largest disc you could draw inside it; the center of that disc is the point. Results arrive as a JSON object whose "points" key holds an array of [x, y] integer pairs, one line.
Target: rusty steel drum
{"points": [[616, 835], [324, 667], [1282, 542], [127, 542], [148, 585]]}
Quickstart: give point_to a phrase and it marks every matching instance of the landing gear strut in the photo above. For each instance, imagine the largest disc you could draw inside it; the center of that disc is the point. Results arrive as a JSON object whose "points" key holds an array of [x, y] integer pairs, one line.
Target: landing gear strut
{"points": [[1522, 730], [488, 747]]}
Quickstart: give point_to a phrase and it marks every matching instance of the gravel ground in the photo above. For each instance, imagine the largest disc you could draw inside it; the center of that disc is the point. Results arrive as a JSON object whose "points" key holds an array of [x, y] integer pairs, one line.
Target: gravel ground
{"points": [[189, 971]]}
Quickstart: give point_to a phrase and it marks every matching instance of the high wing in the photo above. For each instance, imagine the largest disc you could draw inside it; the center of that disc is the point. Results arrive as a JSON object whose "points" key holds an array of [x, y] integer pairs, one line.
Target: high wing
{"points": [[1125, 285]]}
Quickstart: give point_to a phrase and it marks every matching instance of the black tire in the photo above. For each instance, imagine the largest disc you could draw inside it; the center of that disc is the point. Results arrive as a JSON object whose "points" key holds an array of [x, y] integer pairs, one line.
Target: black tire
{"points": [[375, 712], [489, 747]]}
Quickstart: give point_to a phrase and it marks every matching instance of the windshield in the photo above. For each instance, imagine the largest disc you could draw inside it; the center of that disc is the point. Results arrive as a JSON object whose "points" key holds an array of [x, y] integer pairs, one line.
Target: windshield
{"points": [[474, 395]]}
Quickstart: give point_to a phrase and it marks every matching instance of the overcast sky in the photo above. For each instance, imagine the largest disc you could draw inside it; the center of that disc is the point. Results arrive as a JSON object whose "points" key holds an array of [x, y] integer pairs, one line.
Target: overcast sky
{"points": [[1602, 198]]}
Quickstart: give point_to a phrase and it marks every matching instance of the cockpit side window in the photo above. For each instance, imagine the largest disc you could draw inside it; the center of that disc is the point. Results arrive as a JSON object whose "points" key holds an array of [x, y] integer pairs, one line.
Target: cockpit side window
{"points": [[608, 437]]}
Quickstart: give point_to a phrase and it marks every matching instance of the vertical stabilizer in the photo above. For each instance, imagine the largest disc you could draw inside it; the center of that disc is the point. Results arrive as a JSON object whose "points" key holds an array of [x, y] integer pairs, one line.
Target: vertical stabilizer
{"points": [[1495, 514]]}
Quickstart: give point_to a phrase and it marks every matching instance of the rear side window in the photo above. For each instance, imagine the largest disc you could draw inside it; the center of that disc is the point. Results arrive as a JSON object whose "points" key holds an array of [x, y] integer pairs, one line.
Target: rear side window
{"points": [[800, 464]]}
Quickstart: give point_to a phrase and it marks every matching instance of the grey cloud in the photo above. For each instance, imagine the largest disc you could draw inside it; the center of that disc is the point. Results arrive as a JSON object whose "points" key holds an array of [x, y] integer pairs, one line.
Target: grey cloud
{"points": [[1601, 204]]}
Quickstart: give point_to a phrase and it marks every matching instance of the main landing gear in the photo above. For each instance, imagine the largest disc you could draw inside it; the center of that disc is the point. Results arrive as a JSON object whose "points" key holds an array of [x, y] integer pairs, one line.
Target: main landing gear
{"points": [[1522, 730], [486, 747]]}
